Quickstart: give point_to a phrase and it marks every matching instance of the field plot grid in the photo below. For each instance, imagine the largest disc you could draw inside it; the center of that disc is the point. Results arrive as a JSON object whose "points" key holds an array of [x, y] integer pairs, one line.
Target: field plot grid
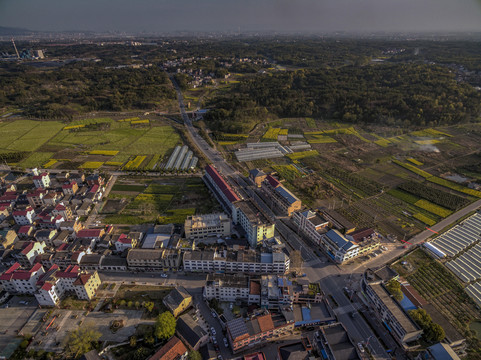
{"points": [[457, 239]]}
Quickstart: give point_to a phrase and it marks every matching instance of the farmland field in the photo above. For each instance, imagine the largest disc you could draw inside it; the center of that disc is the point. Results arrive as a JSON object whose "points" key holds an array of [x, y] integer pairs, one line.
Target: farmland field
{"points": [[162, 200], [438, 286], [120, 140], [383, 177]]}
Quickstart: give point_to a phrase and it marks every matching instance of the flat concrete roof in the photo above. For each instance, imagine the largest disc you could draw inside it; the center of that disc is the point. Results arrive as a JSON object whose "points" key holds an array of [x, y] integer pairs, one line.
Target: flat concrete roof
{"points": [[394, 308]]}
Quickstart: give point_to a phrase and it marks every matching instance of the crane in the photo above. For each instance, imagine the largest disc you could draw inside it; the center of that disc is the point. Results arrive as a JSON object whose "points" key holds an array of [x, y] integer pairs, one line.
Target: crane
{"points": [[15, 46]]}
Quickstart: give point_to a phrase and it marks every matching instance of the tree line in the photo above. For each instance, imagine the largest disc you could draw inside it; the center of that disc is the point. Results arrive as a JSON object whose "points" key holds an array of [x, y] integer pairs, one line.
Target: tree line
{"points": [[390, 94]]}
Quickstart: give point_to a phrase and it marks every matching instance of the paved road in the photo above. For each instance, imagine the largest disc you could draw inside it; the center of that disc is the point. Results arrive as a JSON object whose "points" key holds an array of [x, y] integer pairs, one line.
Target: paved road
{"points": [[316, 269], [212, 154]]}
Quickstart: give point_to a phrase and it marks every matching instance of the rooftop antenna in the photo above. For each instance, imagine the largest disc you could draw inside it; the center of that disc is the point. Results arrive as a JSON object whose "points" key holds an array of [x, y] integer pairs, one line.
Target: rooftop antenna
{"points": [[15, 46]]}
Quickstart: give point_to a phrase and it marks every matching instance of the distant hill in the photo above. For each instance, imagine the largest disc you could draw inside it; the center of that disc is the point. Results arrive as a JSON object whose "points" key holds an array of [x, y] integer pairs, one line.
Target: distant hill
{"points": [[5, 31]]}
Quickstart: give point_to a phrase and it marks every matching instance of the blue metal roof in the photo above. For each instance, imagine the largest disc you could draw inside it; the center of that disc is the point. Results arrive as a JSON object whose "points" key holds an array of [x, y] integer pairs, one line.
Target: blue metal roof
{"points": [[266, 258], [286, 194], [306, 313], [339, 240]]}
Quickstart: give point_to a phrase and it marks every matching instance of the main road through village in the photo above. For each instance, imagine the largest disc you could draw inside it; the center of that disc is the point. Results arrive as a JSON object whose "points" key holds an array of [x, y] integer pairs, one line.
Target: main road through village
{"points": [[333, 278]]}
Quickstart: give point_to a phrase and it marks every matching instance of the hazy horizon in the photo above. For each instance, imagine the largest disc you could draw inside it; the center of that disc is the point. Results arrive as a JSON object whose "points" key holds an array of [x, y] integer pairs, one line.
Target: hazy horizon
{"points": [[248, 15]]}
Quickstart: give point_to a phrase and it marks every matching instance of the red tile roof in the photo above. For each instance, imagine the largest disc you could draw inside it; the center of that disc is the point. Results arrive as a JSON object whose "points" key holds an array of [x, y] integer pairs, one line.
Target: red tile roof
{"points": [[265, 323], [27, 248], [20, 212], [94, 189], [413, 295], [38, 177], [13, 268], [89, 233], [123, 239], [170, 351], [70, 272], [62, 247], [47, 286], [360, 234], [273, 181], [7, 275], [255, 288], [24, 229], [221, 183], [82, 279]]}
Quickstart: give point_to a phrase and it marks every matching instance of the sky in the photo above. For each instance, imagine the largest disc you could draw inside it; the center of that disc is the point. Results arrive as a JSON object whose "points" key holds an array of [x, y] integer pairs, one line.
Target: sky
{"points": [[134, 16]]}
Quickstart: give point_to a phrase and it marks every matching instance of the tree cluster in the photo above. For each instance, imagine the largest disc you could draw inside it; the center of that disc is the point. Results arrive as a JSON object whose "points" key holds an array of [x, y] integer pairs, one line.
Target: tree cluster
{"points": [[392, 94], [165, 326], [431, 331], [74, 88], [394, 288]]}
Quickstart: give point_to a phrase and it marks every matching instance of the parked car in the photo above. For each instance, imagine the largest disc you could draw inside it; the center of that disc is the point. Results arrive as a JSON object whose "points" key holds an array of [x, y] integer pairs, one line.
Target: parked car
{"points": [[212, 330], [213, 314], [226, 344], [163, 275], [361, 348]]}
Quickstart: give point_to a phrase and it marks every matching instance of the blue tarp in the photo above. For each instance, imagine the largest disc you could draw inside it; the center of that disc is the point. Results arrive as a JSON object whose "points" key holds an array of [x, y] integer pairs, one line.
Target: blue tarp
{"points": [[385, 323], [407, 304], [324, 354]]}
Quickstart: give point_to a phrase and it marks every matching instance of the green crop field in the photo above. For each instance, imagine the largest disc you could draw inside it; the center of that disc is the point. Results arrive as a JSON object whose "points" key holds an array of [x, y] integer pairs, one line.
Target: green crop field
{"points": [[98, 136], [36, 159]]}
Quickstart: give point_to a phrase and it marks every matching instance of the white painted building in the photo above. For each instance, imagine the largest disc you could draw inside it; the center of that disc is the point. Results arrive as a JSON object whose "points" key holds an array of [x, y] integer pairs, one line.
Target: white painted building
{"points": [[24, 217], [19, 281], [241, 261], [311, 224], [41, 181], [226, 287], [203, 226]]}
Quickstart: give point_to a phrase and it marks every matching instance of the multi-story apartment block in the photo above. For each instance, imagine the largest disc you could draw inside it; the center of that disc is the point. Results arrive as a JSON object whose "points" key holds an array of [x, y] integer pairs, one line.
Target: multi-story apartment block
{"points": [[27, 251], [243, 333], [276, 292], [268, 291], [281, 198], [389, 311], [70, 188], [154, 258], [241, 261], [338, 247], [86, 285], [220, 188], [54, 283], [17, 280], [254, 221], [35, 198], [24, 217], [124, 242], [226, 287], [312, 224], [63, 210], [41, 180], [202, 226]]}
